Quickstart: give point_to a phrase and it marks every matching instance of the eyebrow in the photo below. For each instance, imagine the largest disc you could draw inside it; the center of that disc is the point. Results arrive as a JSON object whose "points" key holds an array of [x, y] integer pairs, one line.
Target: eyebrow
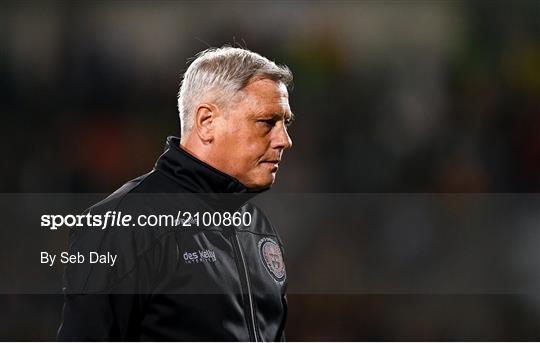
{"points": [[288, 115]]}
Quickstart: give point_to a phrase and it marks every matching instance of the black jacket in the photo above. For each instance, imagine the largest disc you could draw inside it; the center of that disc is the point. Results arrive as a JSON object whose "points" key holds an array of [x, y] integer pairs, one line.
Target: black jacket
{"points": [[213, 282]]}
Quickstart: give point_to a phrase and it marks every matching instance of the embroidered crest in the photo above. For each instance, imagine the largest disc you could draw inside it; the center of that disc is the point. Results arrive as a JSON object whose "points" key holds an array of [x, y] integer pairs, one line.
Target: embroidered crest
{"points": [[272, 258]]}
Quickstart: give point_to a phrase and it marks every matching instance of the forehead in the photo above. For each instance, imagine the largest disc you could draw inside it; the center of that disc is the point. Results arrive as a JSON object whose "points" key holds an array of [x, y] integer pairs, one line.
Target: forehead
{"points": [[265, 96]]}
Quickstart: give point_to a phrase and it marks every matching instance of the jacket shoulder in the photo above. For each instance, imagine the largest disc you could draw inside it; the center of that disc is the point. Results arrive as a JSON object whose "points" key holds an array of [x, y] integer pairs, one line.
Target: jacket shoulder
{"points": [[128, 243], [152, 182]]}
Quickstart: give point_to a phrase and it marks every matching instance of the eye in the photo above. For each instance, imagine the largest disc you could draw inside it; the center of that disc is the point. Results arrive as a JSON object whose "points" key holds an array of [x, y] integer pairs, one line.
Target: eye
{"points": [[288, 121], [267, 122]]}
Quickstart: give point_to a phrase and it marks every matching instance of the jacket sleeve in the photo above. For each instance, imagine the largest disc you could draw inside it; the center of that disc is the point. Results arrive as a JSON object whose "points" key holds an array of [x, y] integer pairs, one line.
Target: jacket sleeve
{"points": [[98, 317], [103, 302]]}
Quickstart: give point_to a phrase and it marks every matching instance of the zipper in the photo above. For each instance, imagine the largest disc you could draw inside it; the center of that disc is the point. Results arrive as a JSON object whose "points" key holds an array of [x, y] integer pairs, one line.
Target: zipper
{"points": [[252, 328]]}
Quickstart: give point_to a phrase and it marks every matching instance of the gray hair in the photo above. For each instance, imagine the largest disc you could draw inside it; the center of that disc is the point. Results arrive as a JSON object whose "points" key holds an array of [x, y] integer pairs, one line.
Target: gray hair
{"points": [[217, 74]]}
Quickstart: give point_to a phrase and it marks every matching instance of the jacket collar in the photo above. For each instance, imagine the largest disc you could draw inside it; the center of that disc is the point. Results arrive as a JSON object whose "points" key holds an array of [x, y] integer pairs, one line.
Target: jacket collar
{"points": [[195, 175]]}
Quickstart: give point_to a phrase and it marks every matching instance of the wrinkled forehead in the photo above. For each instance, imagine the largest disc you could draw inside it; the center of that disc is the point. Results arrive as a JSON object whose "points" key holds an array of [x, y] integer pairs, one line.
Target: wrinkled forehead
{"points": [[266, 94]]}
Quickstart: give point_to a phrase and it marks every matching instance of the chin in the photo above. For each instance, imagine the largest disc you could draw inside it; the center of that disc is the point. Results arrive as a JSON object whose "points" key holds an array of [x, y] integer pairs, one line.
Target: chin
{"points": [[264, 183], [258, 187]]}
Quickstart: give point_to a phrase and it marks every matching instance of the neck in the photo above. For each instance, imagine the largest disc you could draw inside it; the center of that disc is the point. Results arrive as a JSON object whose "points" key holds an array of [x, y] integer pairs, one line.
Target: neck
{"points": [[196, 148]]}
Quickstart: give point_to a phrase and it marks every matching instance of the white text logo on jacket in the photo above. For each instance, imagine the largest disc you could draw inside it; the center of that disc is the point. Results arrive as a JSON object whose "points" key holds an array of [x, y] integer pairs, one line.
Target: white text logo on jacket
{"points": [[199, 256]]}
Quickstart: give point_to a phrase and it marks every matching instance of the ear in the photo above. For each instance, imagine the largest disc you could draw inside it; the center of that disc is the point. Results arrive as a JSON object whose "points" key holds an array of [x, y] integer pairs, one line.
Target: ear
{"points": [[205, 121]]}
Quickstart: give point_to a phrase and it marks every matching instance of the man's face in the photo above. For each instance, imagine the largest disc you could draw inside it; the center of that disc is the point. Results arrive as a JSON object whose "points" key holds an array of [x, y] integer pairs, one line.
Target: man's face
{"points": [[249, 140]]}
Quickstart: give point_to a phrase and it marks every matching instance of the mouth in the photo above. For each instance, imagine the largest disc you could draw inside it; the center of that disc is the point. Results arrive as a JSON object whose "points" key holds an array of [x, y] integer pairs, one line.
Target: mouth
{"points": [[274, 164]]}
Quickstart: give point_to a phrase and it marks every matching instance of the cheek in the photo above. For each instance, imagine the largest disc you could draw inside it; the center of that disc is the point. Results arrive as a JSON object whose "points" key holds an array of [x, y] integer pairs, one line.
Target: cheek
{"points": [[243, 147], [256, 150], [253, 145]]}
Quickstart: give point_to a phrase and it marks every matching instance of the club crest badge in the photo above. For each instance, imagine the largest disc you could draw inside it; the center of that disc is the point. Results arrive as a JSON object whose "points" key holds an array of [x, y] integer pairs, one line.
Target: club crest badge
{"points": [[272, 258]]}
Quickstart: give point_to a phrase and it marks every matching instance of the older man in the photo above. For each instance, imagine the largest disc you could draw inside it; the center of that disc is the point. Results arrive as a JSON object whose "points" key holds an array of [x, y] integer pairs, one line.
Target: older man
{"points": [[221, 276]]}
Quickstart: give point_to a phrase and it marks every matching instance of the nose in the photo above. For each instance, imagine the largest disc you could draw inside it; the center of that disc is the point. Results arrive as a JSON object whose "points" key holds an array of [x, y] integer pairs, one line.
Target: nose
{"points": [[282, 139]]}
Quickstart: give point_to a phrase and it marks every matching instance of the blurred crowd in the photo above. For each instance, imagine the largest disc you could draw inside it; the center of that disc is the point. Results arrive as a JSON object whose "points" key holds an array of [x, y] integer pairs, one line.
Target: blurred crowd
{"points": [[389, 97]]}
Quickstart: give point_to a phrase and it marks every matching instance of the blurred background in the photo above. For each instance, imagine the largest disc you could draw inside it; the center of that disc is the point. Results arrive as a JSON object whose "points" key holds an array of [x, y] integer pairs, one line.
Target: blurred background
{"points": [[390, 97]]}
